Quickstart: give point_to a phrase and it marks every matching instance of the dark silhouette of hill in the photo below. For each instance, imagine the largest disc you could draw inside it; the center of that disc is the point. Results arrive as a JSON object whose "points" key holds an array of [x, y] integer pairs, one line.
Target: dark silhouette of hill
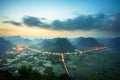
{"points": [[86, 43], [5, 45], [59, 45], [103, 40], [114, 43]]}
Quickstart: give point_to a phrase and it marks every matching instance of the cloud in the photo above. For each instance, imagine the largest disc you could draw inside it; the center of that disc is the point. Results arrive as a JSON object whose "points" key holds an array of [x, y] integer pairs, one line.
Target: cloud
{"points": [[80, 22], [111, 24], [31, 21], [34, 21], [43, 18], [13, 22], [99, 22]]}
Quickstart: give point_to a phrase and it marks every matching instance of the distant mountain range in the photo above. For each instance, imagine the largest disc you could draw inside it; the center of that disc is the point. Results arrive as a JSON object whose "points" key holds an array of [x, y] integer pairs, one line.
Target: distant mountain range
{"points": [[61, 44], [18, 40]]}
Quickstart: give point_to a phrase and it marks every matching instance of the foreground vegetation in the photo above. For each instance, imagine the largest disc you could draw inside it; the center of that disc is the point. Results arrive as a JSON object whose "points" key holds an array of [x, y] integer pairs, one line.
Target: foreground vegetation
{"points": [[26, 73]]}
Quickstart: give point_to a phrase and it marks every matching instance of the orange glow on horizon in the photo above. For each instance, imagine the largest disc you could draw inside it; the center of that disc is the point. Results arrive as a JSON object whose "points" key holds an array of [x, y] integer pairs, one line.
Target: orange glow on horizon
{"points": [[25, 31]]}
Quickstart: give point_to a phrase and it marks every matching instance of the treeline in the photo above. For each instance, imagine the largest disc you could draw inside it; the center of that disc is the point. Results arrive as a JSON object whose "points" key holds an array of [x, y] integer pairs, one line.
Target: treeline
{"points": [[27, 73]]}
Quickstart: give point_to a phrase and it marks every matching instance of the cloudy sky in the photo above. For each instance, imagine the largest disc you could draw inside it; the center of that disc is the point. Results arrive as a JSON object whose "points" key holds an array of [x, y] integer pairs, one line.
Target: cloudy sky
{"points": [[60, 18]]}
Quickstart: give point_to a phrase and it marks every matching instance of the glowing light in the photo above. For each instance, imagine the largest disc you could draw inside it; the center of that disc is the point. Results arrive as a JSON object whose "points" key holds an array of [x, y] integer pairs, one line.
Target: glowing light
{"points": [[63, 60], [97, 48], [81, 52], [93, 49], [35, 50], [19, 47], [1, 60], [62, 56]]}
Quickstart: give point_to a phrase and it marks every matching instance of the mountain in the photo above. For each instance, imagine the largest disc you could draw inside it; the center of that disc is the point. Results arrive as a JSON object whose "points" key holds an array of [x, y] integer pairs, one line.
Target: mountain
{"points": [[5, 45], [37, 41], [81, 43], [18, 40], [103, 40], [59, 45], [114, 43]]}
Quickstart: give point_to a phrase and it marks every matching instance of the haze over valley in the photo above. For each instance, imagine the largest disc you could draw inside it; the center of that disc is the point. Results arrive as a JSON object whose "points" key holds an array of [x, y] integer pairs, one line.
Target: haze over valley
{"points": [[59, 40]]}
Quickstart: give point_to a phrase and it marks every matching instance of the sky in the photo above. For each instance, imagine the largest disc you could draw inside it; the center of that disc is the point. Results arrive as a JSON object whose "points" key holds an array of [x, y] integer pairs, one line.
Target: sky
{"points": [[60, 18]]}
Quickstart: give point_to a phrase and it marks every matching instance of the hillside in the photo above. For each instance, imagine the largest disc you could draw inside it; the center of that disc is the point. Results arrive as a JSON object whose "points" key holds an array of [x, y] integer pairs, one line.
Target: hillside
{"points": [[59, 45]]}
